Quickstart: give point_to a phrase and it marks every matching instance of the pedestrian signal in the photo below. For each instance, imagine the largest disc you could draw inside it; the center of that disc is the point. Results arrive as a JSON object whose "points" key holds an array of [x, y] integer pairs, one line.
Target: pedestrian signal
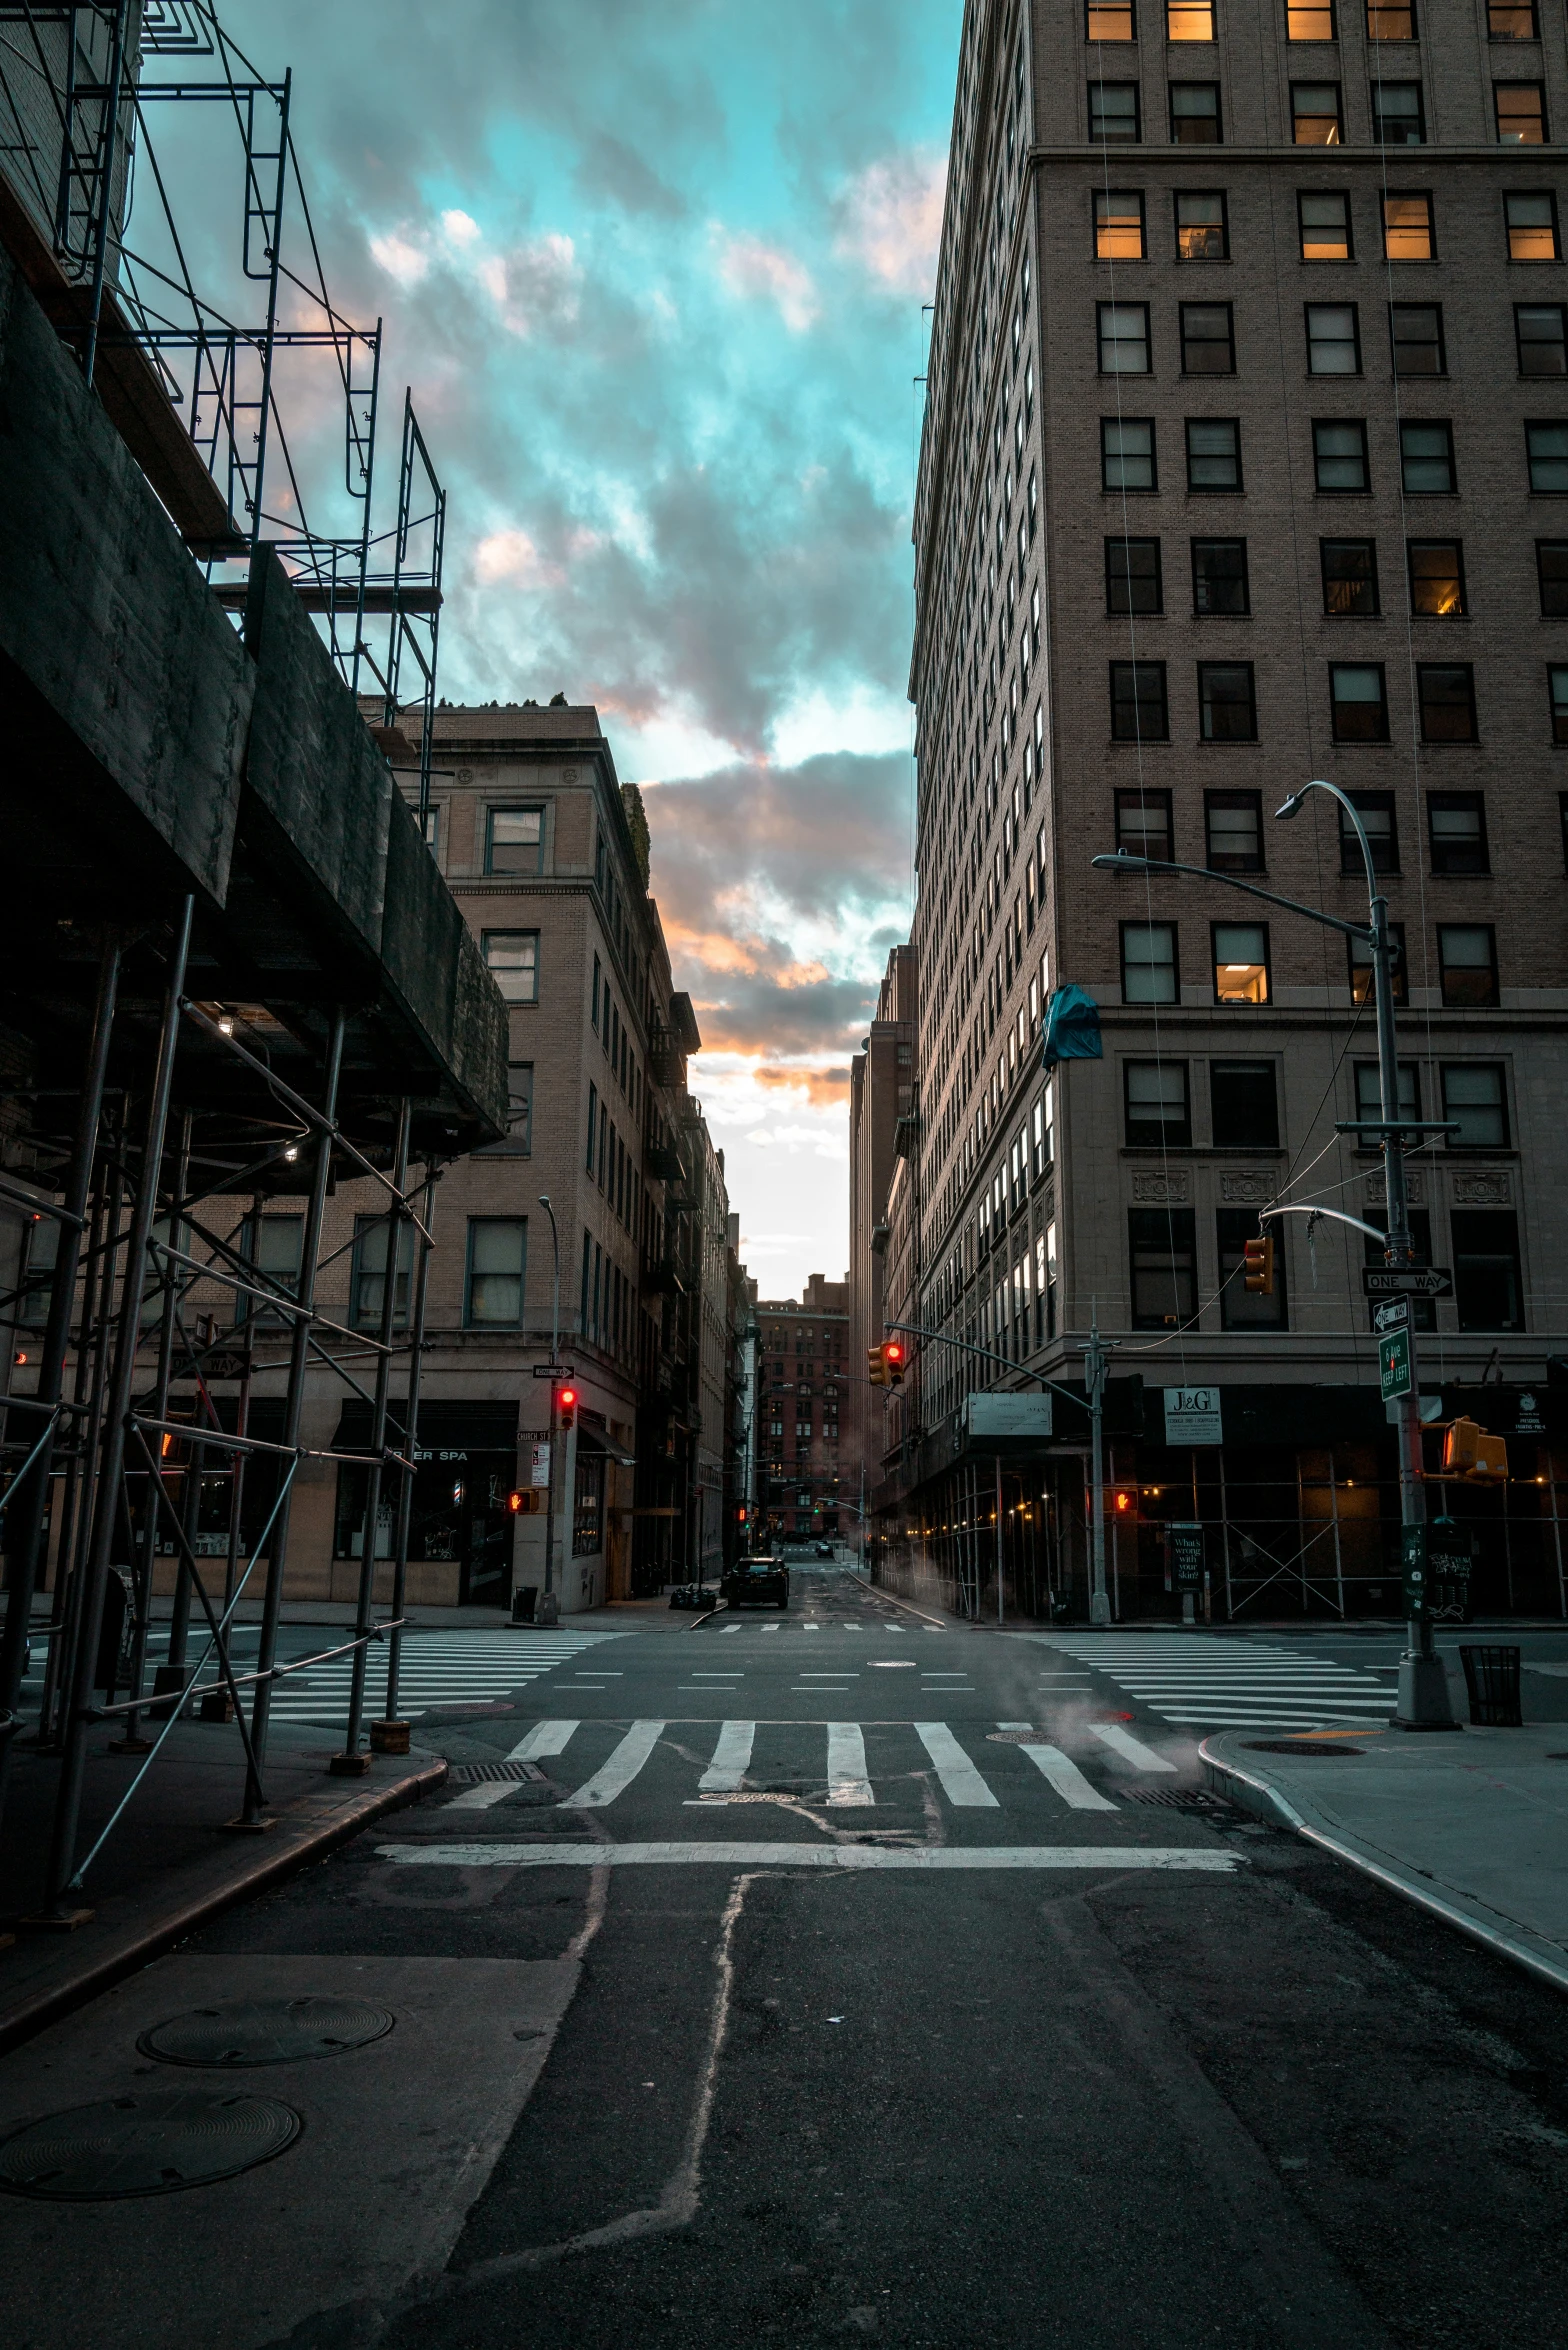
{"points": [[525, 1501], [1124, 1502], [1257, 1257], [1468, 1451]]}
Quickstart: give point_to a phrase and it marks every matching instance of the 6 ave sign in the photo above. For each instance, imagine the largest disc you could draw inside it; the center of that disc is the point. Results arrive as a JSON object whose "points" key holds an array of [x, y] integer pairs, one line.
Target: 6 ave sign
{"points": [[1406, 1281]]}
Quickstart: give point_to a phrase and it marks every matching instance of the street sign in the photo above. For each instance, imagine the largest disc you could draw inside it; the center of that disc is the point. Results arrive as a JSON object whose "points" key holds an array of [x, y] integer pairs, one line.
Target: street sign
{"points": [[1393, 1365], [1192, 1416], [1007, 1415], [1394, 1316], [1186, 1541], [1412, 1562], [539, 1474], [1406, 1281], [554, 1371]]}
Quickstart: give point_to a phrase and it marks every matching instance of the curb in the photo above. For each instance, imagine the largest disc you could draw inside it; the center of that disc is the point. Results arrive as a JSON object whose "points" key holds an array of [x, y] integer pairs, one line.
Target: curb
{"points": [[143, 1940], [908, 1604], [1256, 1795]]}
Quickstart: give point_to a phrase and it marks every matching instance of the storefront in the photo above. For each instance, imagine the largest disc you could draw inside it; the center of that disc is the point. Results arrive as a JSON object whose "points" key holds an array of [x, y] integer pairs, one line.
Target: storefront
{"points": [[465, 1468]]}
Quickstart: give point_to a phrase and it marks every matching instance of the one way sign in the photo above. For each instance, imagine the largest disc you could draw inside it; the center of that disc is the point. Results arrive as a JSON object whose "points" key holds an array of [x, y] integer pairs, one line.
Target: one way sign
{"points": [[1406, 1281]]}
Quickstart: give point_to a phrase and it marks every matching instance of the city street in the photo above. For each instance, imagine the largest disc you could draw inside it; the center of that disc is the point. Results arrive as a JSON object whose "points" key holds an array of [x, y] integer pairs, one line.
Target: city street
{"points": [[757, 1980]]}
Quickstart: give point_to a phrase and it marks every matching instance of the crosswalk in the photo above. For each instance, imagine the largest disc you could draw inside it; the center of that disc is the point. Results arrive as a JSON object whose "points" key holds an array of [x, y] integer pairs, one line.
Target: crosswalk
{"points": [[437, 1668], [1203, 1683], [598, 1761]]}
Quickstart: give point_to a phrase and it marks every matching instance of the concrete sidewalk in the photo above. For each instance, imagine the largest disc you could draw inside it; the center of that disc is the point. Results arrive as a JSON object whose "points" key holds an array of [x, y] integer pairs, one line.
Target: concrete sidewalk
{"points": [[1473, 1827]]}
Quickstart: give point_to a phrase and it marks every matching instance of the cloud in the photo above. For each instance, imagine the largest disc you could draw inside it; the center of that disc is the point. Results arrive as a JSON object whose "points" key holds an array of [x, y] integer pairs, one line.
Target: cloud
{"points": [[757, 271], [511, 555], [892, 220]]}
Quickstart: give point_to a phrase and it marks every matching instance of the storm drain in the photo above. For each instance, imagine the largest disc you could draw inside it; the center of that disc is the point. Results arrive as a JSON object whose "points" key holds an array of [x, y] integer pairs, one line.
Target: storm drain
{"points": [[266, 2031], [473, 1774], [1302, 1746], [1177, 1799], [151, 2144]]}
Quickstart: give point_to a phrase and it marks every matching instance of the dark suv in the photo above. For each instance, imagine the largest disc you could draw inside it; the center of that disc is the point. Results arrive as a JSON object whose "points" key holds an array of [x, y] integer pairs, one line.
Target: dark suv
{"points": [[759, 1582]]}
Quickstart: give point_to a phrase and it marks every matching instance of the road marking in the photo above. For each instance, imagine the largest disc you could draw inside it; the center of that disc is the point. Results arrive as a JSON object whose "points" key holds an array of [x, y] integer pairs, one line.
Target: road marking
{"points": [[830, 1676], [767, 1627], [1067, 1779], [619, 1771], [811, 1627], [1130, 1749], [729, 1627], [847, 1781], [928, 1857], [544, 1738], [731, 1759], [961, 1782]]}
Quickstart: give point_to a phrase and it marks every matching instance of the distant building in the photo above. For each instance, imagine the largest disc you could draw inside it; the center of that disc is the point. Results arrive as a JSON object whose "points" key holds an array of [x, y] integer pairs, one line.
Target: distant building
{"points": [[802, 1381], [881, 1130]]}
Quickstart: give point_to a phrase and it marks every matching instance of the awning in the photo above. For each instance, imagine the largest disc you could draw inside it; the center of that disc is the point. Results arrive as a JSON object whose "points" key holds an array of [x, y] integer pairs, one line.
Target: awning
{"points": [[446, 1425]]}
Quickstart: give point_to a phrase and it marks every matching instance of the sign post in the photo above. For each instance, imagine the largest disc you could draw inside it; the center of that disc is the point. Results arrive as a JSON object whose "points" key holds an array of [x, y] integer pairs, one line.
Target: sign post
{"points": [[1394, 1371]]}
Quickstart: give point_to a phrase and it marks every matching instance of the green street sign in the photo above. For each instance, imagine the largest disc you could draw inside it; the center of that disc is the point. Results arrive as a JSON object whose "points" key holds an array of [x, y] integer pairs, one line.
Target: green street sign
{"points": [[1412, 1564], [1393, 1365]]}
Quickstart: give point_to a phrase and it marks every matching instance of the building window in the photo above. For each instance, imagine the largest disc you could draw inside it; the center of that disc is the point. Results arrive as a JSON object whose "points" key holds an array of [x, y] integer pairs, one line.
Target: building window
{"points": [[1309, 20], [1557, 685], [514, 840], [512, 958], [1475, 1104], [1241, 962], [1242, 1308], [1511, 20], [1426, 459], [588, 1504], [1127, 455], [1349, 578], [1547, 448], [1158, 1114], [1521, 114], [1189, 20], [1202, 227], [1111, 20], [1532, 226], [40, 1249], [1362, 989], [1416, 329], [1195, 114], [1369, 1095], [1456, 830], [1227, 709], [497, 1253], [1132, 576], [1376, 811], [275, 1246], [1541, 338], [1118, 224], [1314, 114], [1467, 963], [1358, 702], [1233, 831], [1386, 22], [1213, 453], [1339, 455], [1113, 112], [1163, 1252], [1208, 340], [1551, 564], [1488, 1290], [1149, 963], [1243, 1109], [1219, 576], [1333, 339], [1324, 223], [1138, 707], [1143, 823], [1123, 329], [1397, 119], [368, 1273], [430, 826], [1407, 229], [1437, 578], [518, 1141]]}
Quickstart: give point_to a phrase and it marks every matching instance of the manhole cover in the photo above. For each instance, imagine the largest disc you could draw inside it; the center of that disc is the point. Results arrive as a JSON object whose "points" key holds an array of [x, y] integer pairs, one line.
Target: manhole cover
{"points": [[150, 2144], [1296, 1746], [265, 2031], [1017, 1738]]}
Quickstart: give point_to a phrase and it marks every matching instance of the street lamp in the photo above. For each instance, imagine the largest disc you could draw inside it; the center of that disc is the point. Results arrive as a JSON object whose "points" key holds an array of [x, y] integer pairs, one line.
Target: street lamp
{"points": [[1423, 1684]]}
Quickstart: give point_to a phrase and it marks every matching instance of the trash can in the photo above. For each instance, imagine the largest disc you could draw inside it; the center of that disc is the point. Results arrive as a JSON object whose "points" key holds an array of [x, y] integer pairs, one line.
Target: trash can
{"points": [[1492, 1678], [524, 1599]]}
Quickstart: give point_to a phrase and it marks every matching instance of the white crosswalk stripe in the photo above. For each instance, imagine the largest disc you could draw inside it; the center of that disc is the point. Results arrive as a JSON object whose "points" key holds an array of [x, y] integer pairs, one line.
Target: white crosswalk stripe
{"points": [[731, 1759], [847, 1779], [1203, 1682], [620, 1770], [437, 1668], [545, 1738], [961, 1782], [1130, 1749], [1064, 1775]]}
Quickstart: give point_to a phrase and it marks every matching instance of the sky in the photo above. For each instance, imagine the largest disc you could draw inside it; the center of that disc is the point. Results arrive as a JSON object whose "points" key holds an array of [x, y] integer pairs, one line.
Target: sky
{"points": [[655, 273]]}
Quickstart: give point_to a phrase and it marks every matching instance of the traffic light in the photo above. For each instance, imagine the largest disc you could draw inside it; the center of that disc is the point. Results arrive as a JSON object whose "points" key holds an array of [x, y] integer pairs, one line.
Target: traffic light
{"points": [[893, 1361], [566, 1408], [525, 1501], [1124, 1503], [876, 1369], [1258, 1258], [1468, 1451]]}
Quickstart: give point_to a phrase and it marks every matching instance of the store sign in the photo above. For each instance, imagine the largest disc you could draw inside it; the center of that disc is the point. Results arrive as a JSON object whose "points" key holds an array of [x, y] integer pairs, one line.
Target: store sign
{"points": [[1192, 1416], [1186, 1541], [539, 1474]]}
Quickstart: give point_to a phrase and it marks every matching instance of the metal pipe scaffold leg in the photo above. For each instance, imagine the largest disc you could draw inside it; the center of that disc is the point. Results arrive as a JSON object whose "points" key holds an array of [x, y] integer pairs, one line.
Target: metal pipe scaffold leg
{"points": [[393, 1734]]}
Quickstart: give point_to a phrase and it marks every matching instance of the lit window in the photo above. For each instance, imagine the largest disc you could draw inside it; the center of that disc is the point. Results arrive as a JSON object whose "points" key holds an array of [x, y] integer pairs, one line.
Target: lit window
{"points": [[1123, 329], [1407, 228], [1241, 962], [1195, 114], [1314, 114], [1475, 1100], [1541, 338], [1358, 702], [1233, 831], [1467, 964], [1155, 1099], [1397, 117], [1113, 112], [1456, 832], [1208, 343], [1118, 224], [1437, 578], [512, 957], [1227, 711], [1349, 578], [1416, 329], [1127, 453], [1138, 708], [1426, 458], [1387, 22], [1213, 453], [1532, 226], [1324, 221], [1219, 576], [1132, 576], [1339, 455], [1333, 339], [1189, 20], [1149, 963], [1110, 20], [1312, 21], [1202, 231], [1521, 114], [1507, 20]]}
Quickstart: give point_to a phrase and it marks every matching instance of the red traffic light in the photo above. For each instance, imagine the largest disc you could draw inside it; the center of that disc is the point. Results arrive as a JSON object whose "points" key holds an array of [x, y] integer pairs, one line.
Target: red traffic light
{"points": [[566, 1398]]}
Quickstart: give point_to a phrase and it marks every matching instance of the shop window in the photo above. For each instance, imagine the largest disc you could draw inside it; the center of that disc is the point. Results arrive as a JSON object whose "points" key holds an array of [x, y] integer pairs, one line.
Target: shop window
{"points": [[588, 1503]]}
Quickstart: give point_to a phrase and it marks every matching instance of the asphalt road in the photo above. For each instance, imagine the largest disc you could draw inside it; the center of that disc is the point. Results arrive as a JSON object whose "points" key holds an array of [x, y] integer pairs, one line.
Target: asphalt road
{"points": [[878, 1980]]}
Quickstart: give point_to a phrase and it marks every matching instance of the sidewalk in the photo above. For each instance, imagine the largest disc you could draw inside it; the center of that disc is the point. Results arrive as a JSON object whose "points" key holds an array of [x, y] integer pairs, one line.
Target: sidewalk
{"points": [[171, 1864], [1472, 1826]]}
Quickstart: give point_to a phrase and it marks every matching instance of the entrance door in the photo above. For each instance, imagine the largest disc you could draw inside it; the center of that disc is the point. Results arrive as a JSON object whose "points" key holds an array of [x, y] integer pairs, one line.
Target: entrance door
{"points": [[485, 1532]]}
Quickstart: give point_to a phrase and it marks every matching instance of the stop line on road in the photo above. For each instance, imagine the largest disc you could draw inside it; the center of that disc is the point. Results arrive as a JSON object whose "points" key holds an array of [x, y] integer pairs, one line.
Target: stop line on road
{"points": [[1203, 1682]]}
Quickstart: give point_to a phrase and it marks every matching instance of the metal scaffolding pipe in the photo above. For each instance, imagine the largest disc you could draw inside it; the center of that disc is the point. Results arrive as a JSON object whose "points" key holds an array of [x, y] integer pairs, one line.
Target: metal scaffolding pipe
{"points": [[351, 1760]]}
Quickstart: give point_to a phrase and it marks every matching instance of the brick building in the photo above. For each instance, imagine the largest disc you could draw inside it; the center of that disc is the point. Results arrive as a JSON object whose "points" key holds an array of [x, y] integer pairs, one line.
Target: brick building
{"points": [[803, 1377], [1245, 461], [881, 1128]]}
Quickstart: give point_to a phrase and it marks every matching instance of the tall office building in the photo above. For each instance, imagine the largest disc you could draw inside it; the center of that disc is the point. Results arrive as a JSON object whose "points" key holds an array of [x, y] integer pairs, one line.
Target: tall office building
{"points": [[1245, 462]]}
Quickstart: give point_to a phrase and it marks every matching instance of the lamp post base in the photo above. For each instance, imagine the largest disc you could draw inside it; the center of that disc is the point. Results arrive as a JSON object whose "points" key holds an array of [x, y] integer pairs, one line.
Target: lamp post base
{"points": [[1423, 1695], [548, 1610], [1100, 1608]]}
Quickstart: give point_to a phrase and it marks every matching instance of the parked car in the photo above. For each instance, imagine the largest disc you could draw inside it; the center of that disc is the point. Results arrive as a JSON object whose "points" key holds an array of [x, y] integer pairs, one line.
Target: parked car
{"points": [[758, 1582], [824, 1550]]}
